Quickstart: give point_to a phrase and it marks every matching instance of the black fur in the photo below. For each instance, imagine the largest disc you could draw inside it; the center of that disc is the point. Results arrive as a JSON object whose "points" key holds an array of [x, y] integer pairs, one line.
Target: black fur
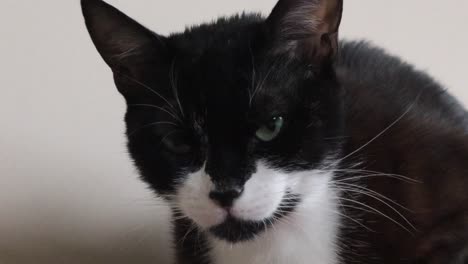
{"points": [[193, 100]]}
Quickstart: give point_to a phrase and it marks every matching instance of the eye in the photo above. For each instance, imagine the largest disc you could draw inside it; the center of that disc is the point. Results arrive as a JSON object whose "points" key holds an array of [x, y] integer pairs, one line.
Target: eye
{"points": [[177, 143], [271, 130]]}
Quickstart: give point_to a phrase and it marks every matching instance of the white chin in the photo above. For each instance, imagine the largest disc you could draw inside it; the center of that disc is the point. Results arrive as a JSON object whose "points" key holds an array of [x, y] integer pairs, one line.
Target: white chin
{"points": [[263, 194], [261, 198]]}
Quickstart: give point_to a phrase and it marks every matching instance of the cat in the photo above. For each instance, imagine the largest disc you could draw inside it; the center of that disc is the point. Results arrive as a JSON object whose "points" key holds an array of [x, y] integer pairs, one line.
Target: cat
{"points": [[274, 141]]}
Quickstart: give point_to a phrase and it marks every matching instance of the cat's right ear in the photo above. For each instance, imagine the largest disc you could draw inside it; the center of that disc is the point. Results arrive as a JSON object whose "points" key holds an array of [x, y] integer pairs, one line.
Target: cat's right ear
{"points": [[306, 28], [125, 45]]}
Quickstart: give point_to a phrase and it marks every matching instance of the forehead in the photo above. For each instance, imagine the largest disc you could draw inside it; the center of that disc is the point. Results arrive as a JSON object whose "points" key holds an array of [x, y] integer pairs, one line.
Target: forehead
{"points": [[224, 31], [228, 69], [217, 49]]}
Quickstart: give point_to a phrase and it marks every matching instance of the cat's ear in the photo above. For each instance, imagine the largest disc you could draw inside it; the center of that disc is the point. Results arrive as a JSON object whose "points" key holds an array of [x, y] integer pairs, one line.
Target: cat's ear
{"points": [[123, 43], [306, 27]]}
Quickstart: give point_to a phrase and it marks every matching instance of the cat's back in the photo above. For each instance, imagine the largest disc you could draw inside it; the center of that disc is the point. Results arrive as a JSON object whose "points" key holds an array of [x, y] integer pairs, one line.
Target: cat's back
{"points": [[375, 82]]}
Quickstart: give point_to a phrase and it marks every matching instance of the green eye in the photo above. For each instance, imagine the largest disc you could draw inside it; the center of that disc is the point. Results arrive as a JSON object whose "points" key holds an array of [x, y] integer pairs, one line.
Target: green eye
{"points": [[271, 130]]}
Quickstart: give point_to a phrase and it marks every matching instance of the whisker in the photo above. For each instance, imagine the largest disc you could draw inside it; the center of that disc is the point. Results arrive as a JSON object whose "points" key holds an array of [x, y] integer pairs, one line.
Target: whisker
{"points": [[388, 205], [146, 87], [380, 213], [159, 108], [190, 230], [254, 75], [373, 173], [261, 84], [355, 221], [174, 86], [272, 224], [355, 178], [376, 193], [382, 132]]}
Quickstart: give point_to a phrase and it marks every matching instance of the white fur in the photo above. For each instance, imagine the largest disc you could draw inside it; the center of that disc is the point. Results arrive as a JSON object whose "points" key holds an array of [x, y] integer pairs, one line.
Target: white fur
{"points": [[193, 199], [307, 235], [262, 195]]}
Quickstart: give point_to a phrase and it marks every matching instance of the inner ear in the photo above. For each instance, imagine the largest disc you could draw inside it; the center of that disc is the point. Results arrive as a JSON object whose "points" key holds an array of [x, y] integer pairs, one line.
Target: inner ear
{"points": [[306, 27]]}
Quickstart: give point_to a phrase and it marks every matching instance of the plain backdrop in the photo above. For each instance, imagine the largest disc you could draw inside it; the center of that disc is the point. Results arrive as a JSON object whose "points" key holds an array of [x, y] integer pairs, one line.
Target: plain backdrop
{"points": [[68, 192]]}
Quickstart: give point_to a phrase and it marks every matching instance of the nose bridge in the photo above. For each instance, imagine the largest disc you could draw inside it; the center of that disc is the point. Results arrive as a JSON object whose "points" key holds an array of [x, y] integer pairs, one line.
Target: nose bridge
{"points": [[228, 166], [227, 160]]}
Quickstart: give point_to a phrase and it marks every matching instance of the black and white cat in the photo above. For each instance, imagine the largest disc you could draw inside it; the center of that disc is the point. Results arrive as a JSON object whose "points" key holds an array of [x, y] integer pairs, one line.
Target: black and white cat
{"points": [[274, 142]]}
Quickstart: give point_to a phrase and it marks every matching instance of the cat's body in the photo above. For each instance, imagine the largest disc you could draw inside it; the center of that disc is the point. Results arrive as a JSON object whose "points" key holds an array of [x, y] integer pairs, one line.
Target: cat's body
{"points": [[403, 123], [286, 148]]}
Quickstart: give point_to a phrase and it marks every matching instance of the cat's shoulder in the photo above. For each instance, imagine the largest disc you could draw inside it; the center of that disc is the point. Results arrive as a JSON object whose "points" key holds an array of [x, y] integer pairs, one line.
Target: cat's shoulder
{"points": [[375, 79], [373, 63]]}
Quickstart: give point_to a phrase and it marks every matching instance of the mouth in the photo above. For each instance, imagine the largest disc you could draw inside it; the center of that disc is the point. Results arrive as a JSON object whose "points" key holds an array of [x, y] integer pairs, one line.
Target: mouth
{"points": [[236, 230]]}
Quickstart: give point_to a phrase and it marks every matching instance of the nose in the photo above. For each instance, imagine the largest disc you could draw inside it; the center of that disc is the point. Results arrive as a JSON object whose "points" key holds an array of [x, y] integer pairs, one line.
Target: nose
{"points": [[225, 198]]}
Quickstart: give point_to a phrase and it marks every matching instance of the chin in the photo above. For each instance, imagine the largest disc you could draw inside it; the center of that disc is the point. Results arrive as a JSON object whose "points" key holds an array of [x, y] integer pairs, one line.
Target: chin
{"points": [[235, 230]]}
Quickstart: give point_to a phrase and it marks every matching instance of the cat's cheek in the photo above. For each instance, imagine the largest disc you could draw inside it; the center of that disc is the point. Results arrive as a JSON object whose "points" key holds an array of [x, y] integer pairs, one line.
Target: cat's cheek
{"points": [[262, 196], [193, 201]]}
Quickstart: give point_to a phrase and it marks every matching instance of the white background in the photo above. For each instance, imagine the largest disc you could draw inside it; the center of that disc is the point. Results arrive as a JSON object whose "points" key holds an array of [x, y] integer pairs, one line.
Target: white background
{"points": [[68, 192]]}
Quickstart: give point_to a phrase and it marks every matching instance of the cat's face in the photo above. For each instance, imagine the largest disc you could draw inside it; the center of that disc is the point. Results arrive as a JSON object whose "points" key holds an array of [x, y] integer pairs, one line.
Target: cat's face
{"points": [[227, 120]]}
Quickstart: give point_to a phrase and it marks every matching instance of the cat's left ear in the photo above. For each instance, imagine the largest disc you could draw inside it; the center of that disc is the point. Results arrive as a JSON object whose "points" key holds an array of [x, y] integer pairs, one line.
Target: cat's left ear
{"points": [[306, 28]]}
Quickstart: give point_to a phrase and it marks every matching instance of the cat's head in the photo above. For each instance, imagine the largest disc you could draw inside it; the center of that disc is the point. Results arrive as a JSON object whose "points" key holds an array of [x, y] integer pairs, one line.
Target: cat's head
{"points": [[227, 120]]}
